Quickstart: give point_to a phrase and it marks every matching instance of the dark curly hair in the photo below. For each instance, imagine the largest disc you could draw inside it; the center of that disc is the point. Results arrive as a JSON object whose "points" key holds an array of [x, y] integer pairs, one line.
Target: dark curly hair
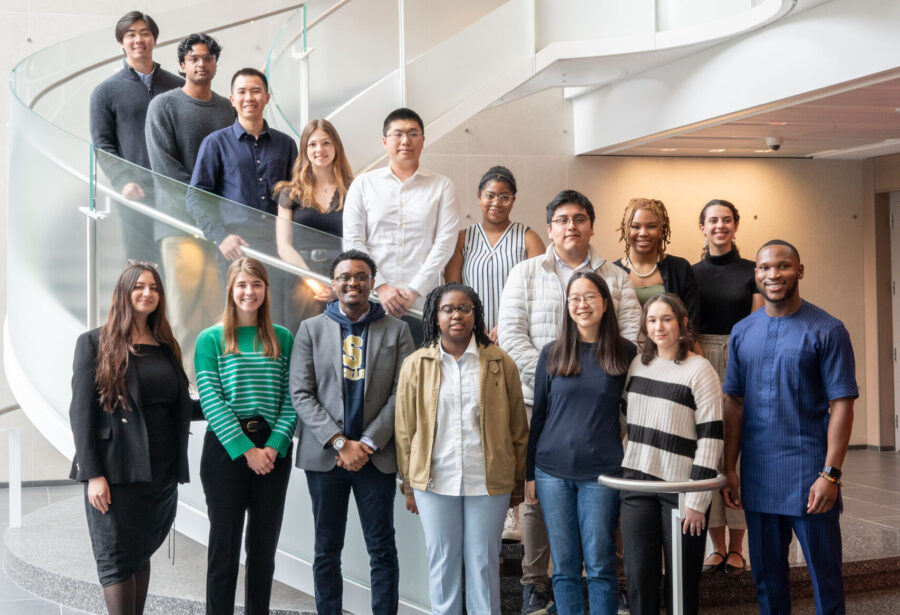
{"points": [[352, 255], [686, 336], [185, 46], [431, 330]]}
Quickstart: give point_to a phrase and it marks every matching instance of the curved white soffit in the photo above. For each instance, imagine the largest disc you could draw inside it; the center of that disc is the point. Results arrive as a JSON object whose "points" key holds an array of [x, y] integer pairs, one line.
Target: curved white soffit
{"points": [[758, 16], [54, 427]]}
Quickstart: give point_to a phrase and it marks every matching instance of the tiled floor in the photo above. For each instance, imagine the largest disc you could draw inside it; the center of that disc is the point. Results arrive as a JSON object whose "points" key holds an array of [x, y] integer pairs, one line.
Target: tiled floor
{"points": [[14, 599]]}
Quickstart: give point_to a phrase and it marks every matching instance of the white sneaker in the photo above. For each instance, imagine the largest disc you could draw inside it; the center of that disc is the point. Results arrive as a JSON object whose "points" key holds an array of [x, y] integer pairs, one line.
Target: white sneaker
{"points": [[511, 530]]}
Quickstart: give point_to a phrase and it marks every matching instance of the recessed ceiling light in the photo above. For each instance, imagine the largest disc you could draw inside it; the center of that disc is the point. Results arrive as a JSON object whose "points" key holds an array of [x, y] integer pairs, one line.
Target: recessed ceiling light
{"points": [[716, 151], [778, 123], [762, 151], [668, 149]]}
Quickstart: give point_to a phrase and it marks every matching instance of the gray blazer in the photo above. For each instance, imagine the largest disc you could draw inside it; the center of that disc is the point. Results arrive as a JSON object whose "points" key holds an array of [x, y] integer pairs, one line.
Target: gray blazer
{"points": [[317, 388]]}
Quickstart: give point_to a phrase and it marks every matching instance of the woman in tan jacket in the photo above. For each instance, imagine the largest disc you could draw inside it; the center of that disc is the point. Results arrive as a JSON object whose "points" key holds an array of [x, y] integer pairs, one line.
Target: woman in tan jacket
{"points": [[461, 436]]}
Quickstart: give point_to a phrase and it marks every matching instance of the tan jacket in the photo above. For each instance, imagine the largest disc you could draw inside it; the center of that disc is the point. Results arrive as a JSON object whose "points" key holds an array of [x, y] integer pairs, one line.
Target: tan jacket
{"points": [[504, 427]]}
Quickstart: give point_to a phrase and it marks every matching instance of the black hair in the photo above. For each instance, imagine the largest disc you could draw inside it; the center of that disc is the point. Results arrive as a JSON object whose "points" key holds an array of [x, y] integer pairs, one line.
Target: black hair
{"points": [[402, 114], [251, 72], [500, 174], [570, 197], [430, 328], [352, 255], [185, 46], [779, 242], [129, 19], [612, 350]]}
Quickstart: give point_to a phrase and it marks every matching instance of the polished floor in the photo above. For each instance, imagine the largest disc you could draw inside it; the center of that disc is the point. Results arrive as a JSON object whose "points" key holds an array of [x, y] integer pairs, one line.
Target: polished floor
{"points": [[871, 529]]}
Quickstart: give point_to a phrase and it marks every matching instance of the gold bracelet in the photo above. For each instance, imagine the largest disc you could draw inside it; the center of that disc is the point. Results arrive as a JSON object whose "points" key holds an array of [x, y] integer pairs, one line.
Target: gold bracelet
{"points": [[831, 479]]}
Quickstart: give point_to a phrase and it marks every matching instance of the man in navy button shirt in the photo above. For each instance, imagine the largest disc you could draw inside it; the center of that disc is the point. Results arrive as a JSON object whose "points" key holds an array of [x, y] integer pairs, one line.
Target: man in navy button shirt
{"points": [[241, 163], [789, 394]]}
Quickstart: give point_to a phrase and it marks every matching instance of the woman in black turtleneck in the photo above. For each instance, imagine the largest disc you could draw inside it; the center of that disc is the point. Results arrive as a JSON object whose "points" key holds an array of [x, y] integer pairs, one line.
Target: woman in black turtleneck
{"points": [[727, 288]]}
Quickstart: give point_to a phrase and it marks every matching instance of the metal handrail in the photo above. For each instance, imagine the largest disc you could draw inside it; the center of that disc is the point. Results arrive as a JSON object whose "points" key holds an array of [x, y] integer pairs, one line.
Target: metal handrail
{"points": [[681, 488], [662, 486], [172, 41]]}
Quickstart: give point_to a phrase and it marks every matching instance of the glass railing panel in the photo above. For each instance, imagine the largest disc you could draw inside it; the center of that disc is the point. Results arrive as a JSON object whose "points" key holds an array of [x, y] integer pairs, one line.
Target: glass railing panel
{"points": [[467, 61], [46, 250]]}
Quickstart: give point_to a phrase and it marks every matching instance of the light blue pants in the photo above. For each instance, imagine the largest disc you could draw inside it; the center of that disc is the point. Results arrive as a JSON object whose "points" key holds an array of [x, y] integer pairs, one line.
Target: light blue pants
{"points": [[463, 529]]}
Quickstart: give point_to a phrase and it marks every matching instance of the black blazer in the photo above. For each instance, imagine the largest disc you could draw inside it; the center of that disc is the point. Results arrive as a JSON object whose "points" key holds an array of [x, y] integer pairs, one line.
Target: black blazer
{"points": [[115, 445]]}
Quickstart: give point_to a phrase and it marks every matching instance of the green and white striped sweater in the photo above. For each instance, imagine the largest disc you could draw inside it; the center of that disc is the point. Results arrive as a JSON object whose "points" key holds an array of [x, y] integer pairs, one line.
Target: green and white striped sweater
{"points": [[240, 386]]}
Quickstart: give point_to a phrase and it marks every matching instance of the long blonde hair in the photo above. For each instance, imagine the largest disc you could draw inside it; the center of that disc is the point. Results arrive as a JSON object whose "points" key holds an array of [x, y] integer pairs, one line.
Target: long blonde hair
{"points": [[301, 186], [265, 333]]}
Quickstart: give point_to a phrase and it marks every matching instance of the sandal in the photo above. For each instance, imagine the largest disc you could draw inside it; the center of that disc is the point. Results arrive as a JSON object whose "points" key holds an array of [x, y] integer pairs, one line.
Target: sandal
{"points": [[734, 571], [714, 568]]}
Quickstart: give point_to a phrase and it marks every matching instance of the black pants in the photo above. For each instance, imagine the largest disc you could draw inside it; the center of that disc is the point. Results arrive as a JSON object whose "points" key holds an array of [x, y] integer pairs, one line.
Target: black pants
{"points": [[646, 531], [374, 493], [232, 489]]}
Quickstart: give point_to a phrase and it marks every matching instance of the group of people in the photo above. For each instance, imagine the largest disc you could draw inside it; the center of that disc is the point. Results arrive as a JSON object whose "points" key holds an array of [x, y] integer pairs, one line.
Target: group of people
{"points": [[532, 372]]}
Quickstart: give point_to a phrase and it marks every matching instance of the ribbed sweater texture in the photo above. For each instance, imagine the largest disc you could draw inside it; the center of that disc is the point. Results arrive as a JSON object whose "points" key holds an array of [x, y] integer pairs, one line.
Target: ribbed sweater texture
{"points": [[674, 422], [243, 385]]}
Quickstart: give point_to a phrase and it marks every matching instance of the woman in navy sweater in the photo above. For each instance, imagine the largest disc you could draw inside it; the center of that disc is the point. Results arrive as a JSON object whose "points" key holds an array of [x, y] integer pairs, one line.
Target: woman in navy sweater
{"points": [[576, 437]]}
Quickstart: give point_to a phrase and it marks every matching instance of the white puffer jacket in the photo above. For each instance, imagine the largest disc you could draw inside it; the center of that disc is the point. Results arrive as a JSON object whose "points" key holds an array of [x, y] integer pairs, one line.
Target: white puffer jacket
{"points": [[533, 305]]}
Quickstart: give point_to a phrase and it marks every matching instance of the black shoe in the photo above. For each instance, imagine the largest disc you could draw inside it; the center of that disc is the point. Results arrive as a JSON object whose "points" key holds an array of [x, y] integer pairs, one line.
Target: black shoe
{"points": [[623, 604], [536, 600]]}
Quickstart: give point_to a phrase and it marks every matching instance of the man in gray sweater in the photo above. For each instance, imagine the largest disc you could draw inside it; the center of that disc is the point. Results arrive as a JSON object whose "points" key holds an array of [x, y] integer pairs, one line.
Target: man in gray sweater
{"points": [[118, 108], [177, 122]]}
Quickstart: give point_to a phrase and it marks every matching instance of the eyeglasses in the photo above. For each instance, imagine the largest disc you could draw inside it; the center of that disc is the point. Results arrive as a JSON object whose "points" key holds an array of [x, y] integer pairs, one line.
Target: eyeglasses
{"points": [[208, 58], [362, 278], [463, 308], [576, 220], [397, 135], [504, 198], [577, 299]]}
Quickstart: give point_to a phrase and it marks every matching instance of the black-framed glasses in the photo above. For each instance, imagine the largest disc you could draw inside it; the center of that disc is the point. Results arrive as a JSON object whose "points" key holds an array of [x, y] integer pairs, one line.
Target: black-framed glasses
{"points": [[463, 308], [564, 220], [362, 278]]}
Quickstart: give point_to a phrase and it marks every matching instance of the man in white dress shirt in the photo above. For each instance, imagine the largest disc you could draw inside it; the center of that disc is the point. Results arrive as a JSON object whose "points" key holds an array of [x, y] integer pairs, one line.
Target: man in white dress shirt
{"points": [[405, 217]]}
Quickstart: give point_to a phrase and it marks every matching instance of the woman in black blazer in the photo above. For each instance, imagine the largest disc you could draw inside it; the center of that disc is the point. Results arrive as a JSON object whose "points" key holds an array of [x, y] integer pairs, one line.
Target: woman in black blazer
{"points": [[130, 415]]}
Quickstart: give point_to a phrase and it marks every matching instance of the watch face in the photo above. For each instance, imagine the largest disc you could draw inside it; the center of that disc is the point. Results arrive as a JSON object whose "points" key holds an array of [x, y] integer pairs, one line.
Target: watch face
{"points": [[339, 444]]}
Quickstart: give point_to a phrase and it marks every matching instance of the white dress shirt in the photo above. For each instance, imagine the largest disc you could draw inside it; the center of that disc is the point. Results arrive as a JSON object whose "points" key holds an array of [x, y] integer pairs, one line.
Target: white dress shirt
{"points": [[457, 457], [565, 272], [408, 227]]}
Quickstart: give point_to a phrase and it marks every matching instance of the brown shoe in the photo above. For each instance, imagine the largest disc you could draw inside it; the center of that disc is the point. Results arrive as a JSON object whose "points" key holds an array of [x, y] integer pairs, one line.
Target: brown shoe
{"points": [[734, 571]]}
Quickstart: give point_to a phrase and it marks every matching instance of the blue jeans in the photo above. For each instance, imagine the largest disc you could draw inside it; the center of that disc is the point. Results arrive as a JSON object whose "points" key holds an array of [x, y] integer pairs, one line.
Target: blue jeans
{"points": [[374, 494], [581, 519]]}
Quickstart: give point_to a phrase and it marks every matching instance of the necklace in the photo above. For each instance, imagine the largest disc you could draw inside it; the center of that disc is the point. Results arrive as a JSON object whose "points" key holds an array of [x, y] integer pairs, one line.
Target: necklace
{"points": [[637, 273]]}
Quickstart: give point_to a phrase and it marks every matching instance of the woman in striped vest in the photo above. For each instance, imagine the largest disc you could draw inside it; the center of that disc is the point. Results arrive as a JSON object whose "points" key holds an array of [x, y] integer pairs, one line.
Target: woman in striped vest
{"points": [[674, 427], [242, 375], [487, 251]]}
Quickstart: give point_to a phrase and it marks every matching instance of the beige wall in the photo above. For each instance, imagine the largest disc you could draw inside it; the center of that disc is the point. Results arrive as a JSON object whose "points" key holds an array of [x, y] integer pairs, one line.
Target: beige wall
{"points": [[815, 204]]}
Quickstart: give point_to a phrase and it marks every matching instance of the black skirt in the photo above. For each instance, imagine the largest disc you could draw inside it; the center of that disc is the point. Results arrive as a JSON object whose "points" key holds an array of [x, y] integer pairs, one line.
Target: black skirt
{"points": [[139, 518]]}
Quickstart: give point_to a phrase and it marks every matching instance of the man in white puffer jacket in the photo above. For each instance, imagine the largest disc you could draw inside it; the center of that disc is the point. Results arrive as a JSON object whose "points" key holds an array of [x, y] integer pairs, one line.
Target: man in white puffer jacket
{"points": [[532, 309]]}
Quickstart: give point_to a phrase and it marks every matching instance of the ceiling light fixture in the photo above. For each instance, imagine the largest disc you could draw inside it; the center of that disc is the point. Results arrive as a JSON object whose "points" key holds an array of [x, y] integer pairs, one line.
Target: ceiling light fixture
{"points": [[668, 149], [716, 151]]}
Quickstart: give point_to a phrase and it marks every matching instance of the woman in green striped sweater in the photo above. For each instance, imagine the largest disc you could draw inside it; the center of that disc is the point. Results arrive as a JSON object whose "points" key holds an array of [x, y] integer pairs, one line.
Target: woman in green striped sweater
{"points": [[242, 375]]}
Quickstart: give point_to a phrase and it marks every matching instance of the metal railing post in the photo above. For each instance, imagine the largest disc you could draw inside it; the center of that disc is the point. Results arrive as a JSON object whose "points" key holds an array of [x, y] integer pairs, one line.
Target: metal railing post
{"points": [[657, 486], [15, 475]]}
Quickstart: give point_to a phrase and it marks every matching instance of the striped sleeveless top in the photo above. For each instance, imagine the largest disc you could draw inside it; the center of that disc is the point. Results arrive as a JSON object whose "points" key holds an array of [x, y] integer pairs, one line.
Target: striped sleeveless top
{"points": [[485, 268]]}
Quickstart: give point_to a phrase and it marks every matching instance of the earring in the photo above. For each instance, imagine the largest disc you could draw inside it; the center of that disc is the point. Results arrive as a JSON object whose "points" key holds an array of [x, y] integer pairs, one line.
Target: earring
{"points": [[705, 243]]}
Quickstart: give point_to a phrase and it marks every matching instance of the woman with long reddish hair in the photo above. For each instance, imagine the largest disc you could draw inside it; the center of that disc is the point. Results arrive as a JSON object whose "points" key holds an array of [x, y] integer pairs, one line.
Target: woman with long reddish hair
{"points": [[242, 375], [130, 415]]}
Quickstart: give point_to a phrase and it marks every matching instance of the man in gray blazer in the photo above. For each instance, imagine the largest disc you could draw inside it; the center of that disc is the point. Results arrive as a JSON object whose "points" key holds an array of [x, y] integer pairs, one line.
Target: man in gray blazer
{"points": [[344, 369]]}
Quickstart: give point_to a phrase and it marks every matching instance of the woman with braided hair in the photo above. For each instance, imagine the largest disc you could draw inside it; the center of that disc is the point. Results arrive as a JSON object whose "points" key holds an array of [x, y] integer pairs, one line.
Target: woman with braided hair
{"points": [[461, 437], [646, 232]]}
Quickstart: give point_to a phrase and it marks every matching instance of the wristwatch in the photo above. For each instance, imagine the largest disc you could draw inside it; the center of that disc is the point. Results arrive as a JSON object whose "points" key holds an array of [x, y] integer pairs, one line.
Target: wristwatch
{"points": [[338, 443], [834, 473]]}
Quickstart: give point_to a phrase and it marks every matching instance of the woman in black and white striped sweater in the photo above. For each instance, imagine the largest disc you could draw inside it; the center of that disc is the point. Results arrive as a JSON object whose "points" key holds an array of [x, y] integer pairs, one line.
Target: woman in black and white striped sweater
{"points": [[674, 426]]}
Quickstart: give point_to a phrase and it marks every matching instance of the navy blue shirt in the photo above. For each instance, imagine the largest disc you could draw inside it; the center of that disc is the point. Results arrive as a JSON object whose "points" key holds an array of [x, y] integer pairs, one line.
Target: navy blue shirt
{"points": [[787, 369], [234, 165], [575, 430]]}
